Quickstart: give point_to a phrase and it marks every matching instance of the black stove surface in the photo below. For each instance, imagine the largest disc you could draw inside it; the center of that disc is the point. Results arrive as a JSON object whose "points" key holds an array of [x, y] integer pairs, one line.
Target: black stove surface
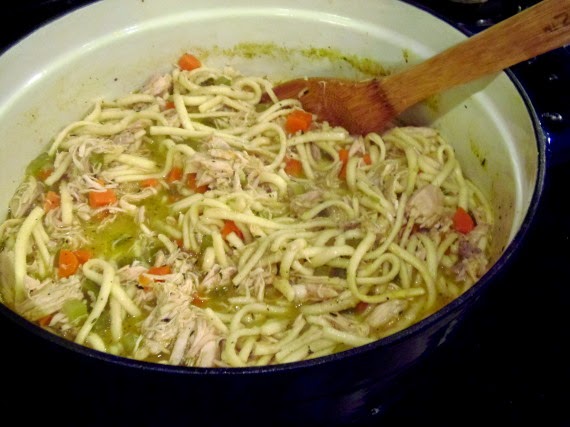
{"points": [[510, 363]]}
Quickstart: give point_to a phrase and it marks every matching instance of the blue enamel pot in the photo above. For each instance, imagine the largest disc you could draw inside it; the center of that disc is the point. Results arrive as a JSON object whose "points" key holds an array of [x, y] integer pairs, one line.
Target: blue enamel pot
{"points": [[508, 130]]}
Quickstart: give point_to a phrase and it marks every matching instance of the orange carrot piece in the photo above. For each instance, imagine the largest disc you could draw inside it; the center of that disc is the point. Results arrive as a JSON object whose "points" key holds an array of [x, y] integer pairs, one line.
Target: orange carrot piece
{"points": [[102, 198], [193, 185], [197, 301], [83, 255], [43, 174], [298, 120], [343, 156], [175, 174], [67, 263], [189, 62], [174, 197], [162, 270], [159, 270], [293, 167], [150, 182], [45, 321], [144, 281], [169, 105], [231, 227], [51, 201], [462, 221], [361, 307], [367, 159]]}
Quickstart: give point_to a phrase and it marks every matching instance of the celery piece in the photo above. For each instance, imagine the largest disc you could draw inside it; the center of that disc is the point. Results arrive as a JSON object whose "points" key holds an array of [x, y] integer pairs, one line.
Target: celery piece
{"points": [[74, 309], [43, 161], [207, 241], [223, 80], [129, 341]]}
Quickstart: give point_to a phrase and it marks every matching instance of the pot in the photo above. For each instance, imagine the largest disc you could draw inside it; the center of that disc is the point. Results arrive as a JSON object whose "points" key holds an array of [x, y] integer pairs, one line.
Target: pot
{"points": [[49, 79]]}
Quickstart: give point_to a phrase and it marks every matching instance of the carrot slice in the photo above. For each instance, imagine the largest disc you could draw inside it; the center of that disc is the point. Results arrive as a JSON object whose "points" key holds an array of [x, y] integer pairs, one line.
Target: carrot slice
{"points": [[197, 301], [102, 198], [175, 174], [169, 105], [144, 281], [293, 167], [159, 270], [231, 227], [367, 159], [51, 201], [298, 120], [45, 321], [150, 182], [44, 174], [189, 62], [462, 221], [192, 184], [343, 156], [361, 307], [67, 263], [83, 255]]}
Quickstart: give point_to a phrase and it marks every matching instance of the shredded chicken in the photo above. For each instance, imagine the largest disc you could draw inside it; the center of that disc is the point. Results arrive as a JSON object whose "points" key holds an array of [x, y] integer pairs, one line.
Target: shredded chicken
{"points": [[175, 327], [49, 298], [25, 197], [426, 205], [473, 261], [158, 85], [313, 292], [385, 313]]}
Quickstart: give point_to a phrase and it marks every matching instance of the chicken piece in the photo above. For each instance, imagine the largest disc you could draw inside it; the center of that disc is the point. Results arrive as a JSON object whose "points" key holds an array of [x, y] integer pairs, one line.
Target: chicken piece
{"points": [[347, 324], [204, 345], [385, 312], [472, 261], [131, 273], [158, 85], [25, 197], [217, 277], [209, 353], [426, 205], [304, 202], [50, 298], [313, 292], [177, 327]]}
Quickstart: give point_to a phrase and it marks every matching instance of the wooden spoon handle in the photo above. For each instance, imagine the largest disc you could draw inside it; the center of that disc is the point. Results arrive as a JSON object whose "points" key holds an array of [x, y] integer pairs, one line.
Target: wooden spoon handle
{"points": [[536, 30]]}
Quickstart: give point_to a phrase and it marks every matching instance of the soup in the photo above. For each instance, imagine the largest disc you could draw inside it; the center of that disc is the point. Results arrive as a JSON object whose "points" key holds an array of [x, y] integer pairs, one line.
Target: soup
{"points": [[188, 223]]}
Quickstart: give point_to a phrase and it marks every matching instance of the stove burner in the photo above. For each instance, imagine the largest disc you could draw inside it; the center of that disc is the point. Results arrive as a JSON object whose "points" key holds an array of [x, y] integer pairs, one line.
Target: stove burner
{"points": [[477, 15]]}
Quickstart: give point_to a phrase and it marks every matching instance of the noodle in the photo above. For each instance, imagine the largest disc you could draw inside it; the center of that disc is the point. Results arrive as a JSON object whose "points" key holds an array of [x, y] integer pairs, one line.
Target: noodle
{"points": [[187, 223]]}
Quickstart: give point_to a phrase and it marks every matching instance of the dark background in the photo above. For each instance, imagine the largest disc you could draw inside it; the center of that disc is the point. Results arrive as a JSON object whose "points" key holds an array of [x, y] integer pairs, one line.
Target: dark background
{"points": [[510, 363]]}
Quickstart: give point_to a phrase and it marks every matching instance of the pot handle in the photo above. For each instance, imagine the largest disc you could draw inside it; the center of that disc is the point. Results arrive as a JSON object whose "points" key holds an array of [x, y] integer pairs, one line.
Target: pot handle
{"points": [[546, 81]]}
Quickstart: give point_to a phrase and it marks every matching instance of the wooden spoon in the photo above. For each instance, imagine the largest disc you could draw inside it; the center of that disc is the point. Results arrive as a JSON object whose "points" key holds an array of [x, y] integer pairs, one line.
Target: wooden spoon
{"points": [[365, 106]]}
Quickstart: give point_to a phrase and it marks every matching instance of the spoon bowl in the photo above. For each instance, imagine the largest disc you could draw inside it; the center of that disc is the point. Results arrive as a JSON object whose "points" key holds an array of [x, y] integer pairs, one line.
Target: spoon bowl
{"points": [[371, 105]]}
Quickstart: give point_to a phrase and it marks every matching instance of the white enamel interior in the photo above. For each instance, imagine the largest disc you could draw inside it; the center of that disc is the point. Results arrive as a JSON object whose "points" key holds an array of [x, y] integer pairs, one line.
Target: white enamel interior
{"points": [[111, 47]]}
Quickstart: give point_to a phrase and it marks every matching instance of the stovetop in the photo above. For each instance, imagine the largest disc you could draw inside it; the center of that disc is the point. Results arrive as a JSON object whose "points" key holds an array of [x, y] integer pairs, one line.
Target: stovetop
{"points": [[509, 365]]}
